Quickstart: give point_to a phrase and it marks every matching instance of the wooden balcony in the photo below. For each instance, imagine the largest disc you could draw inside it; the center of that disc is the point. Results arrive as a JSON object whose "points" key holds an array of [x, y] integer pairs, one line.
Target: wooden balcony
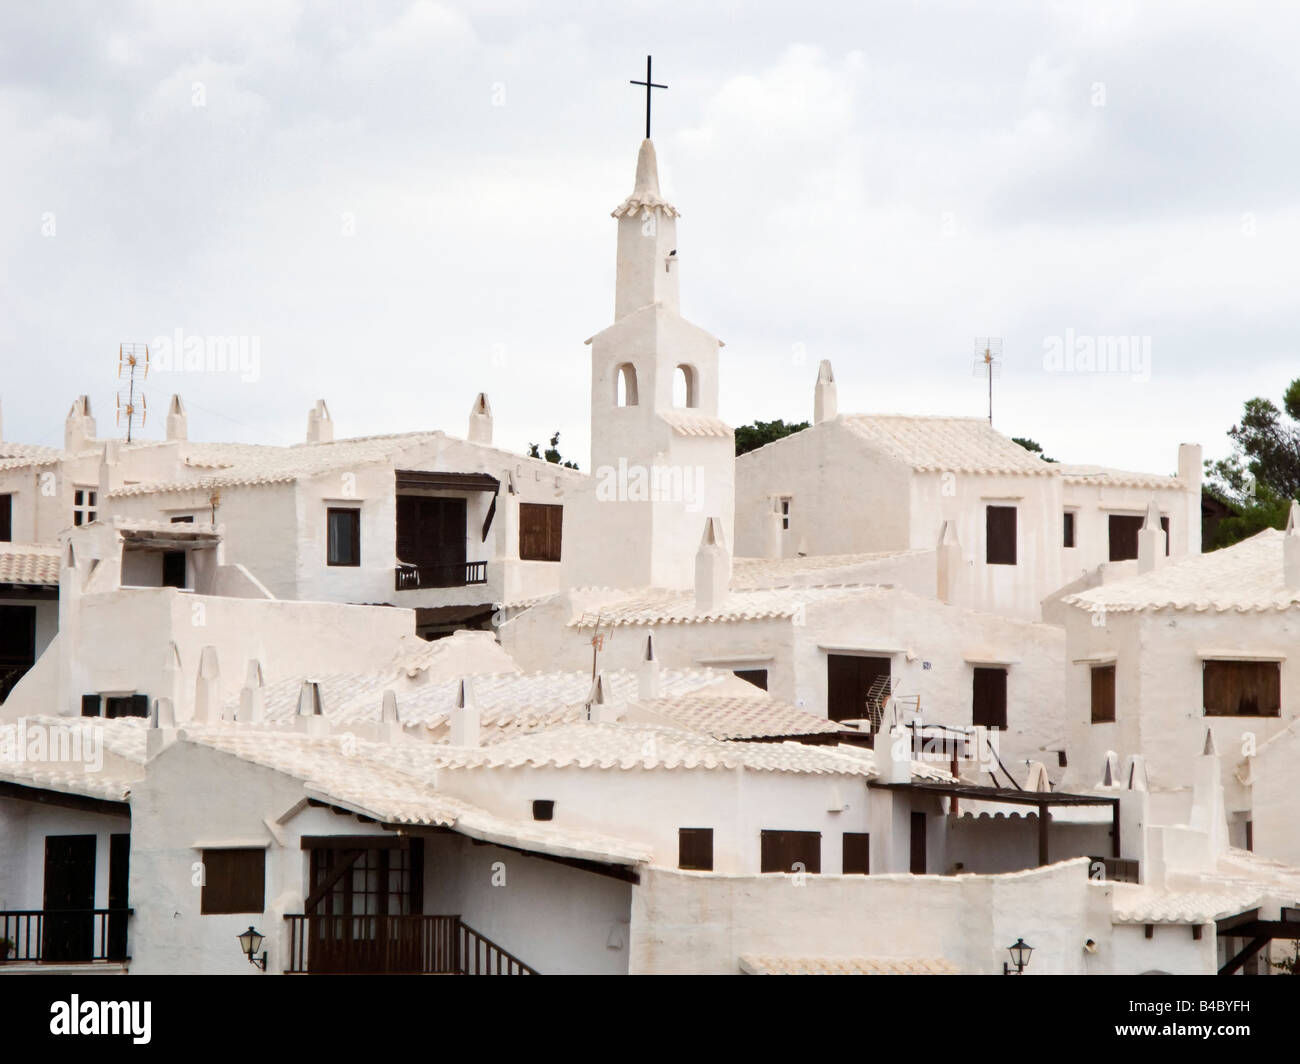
{"points": [[65, 936], [394, 945], [419, 577]]}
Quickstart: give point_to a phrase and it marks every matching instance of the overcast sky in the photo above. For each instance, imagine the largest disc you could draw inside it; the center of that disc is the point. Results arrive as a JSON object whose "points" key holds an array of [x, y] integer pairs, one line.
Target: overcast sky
{"points": [[406, 203]]}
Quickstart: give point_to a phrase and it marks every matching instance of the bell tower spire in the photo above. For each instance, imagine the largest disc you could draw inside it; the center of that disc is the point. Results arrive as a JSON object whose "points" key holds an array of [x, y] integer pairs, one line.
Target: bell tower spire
{"points": [[647, 242]]}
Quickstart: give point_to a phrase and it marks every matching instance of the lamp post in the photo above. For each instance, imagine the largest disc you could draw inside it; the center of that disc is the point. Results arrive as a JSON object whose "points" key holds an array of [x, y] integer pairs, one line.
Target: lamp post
{"points": [[1020, 953], [250, 942]]}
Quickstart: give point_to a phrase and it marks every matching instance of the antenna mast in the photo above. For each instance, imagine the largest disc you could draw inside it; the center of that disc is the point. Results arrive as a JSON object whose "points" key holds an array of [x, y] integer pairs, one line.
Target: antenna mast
{"points": [[132, 358], [988, 362]]}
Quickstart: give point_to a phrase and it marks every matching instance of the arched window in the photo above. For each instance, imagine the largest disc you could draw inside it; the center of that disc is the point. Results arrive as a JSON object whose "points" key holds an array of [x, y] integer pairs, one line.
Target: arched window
{"points": [[625, 385], [686, 388]]}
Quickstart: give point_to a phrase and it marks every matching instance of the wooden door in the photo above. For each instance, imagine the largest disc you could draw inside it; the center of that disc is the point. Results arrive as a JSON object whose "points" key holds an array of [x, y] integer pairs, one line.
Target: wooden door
{"points": [[119, 858], [431, 531], [69, 932], [17, 645]]}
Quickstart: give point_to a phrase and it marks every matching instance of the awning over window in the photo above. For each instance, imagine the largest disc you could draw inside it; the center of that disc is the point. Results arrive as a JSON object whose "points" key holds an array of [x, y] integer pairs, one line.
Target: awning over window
{"points": [[419, 478]]}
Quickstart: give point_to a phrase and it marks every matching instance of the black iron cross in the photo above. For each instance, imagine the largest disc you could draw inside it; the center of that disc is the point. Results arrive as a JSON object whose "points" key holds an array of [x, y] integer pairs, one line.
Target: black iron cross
{"points": [[649, 85]]}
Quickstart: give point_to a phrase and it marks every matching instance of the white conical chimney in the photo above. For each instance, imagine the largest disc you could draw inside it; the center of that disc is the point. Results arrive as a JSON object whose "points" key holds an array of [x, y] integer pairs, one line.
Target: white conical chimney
{"points": [[1291, 548], [177, 422], [825, 400], [207, 688], [389, 721], [320, 427], [79, 428], [252, 696], [712, 568], [1151, 541], [598, 708], [948, 564], [480, 420], [310, 717], [648, 680], [465, 720]]}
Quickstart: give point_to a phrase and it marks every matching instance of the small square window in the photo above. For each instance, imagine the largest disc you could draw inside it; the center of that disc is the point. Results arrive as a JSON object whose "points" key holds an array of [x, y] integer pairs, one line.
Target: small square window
{"points": [[234, 881], [695, 849]]}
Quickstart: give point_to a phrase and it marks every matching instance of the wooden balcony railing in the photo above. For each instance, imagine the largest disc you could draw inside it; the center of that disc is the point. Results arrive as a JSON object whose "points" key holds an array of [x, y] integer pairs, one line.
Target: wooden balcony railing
{"points": [[416, 577], [65, 936], [394, 945]]}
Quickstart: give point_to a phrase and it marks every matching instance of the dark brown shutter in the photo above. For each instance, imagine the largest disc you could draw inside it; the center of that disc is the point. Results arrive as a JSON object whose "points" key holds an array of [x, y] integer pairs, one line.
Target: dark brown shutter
{"points": [[780, 851], [695, 849], [989, 698], [1103, 694], [541, 527], [6, 518], [234, 881], [849, 678], [857, 853], [1242, 688], [1123, 530], [1000, 535], [1164, 527], [90, 705], [758, 677], [1069, 529]]}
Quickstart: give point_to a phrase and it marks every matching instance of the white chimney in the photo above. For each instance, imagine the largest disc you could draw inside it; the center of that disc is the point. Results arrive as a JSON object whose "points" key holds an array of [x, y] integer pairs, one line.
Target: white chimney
{"points": [[480, 420], [79, 429], [320, 427], [774, 533], [825, 401], [648, 683], [389, 722], [948, 563], [252, 696], [465, 718], [310, 718], [1190, 466], [1151, 541], [598, 708], [712, 568], [207, 688], [1291, 548], [162, 728], [177, 422], [892, 751]]}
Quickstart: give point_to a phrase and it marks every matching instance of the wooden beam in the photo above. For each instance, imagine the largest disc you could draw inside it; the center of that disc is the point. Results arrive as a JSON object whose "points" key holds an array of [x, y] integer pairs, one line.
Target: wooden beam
{"points": [[85, 804], [1044, 825], [327, 884], [1241, 958], [1225, 926]]}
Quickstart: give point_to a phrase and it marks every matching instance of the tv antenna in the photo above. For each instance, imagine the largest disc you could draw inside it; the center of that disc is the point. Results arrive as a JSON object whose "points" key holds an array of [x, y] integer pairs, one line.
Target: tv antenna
{"points": [[132, 359], [988, 363]]}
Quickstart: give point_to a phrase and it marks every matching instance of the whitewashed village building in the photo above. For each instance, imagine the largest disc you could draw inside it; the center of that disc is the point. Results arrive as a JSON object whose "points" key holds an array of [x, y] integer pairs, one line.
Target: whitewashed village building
{"points": [[833, 752]]}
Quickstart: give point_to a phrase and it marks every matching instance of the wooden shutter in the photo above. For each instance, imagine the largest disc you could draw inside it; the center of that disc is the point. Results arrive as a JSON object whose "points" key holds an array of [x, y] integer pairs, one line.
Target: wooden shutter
{"points": [[6, 518], [780, 851], [1242, 688], [849, 678], [695, 849], [541, 527], [758, 677], [989, 698], [234, 881], [1000, 535], [90, 705], [1069, 528], [1123, 530], [1103, 694], [1164, 527], [857, 854]]}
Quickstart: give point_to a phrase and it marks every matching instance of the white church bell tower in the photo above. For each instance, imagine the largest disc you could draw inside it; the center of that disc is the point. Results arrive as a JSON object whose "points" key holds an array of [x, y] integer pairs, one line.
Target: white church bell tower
{"points": [[661, 460]]}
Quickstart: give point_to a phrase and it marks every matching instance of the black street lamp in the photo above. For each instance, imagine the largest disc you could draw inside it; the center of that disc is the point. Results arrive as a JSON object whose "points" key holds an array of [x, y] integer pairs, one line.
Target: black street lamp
{"points": [[1020, 953], [250, 942]]}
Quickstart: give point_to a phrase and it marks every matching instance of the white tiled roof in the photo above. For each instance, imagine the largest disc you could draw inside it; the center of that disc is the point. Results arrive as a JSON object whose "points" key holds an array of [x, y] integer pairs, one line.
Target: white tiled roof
{"points": [[28, 563], [685, 423], [112, 787], [1245, 577], [678, 607], [945, 444], [765, 964], [508, 702], [375, 780], [755, 573], [633, 746], [730, 717], [1119, 478], [1139, 904]]}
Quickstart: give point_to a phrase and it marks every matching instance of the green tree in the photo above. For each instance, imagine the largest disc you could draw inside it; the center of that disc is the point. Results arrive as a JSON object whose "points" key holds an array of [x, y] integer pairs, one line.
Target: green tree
{"points": [[761, 433], [551, 454], [1031, 445], [1262, 474]]}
